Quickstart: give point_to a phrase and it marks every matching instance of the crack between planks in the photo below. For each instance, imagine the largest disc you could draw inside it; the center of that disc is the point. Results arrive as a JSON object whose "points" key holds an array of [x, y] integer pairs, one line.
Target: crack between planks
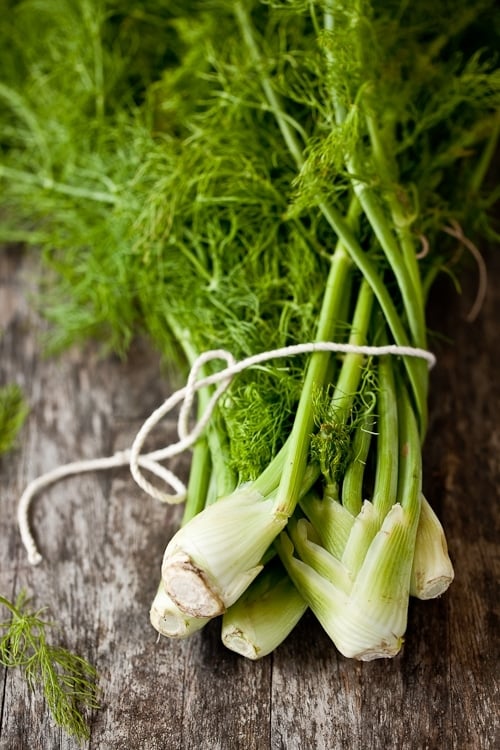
{"points": [[99, 621]]}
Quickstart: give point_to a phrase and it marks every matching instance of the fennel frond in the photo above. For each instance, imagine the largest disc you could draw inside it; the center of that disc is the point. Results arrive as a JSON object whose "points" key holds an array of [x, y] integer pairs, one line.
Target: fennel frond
{"points": [[68, 682], [13, 412]]}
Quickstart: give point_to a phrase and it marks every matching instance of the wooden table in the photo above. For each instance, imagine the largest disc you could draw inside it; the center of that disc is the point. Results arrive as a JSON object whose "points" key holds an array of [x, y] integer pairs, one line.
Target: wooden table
{"points": [[103, 539]]}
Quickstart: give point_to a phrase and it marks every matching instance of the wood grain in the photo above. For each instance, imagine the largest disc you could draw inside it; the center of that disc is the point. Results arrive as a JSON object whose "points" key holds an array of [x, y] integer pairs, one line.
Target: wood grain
{"points": [[102, 542]]}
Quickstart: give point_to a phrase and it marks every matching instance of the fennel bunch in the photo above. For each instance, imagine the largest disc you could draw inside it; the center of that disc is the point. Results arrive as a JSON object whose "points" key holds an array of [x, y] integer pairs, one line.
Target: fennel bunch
{"points": [[258, 174]]}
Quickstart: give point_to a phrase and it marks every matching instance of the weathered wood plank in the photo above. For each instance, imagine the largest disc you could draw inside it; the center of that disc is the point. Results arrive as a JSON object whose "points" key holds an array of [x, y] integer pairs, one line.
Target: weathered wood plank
{"points": [[102, 540]]}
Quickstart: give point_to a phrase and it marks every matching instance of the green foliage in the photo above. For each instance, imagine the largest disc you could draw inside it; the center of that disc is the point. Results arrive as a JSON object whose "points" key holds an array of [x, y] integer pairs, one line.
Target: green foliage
{"points": [[140, 153], [68, 682], [332, 446], [13, 412]]}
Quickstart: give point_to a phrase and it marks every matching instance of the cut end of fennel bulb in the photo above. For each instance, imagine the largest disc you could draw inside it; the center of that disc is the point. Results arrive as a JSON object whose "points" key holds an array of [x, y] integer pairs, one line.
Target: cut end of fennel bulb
{"points": [[385, 650], [431, 588], [189, 588], [235, 640], [168, 620]]}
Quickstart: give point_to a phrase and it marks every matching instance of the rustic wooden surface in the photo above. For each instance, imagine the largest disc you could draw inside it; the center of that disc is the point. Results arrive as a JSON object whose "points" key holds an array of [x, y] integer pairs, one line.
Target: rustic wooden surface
{"points": [[102, 542]]}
